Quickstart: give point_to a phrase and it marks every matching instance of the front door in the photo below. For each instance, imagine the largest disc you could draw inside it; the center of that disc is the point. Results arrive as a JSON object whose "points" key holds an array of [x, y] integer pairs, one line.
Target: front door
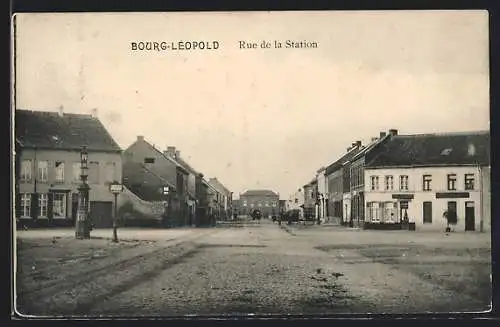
{"points": [[469, 216], [403, 212]]}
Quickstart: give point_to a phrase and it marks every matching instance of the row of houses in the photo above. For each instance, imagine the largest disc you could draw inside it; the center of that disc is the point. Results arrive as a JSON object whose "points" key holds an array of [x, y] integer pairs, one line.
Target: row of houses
{"points": [[159, 186], [396, 181]]}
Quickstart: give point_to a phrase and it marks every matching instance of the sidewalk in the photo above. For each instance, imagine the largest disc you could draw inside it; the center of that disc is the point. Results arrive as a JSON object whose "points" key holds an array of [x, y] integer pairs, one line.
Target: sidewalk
{"points": [[140, 234]]}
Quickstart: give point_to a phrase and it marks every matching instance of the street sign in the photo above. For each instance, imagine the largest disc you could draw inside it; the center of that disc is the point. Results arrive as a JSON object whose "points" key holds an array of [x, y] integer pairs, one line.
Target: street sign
{"points": [[116, 188]]}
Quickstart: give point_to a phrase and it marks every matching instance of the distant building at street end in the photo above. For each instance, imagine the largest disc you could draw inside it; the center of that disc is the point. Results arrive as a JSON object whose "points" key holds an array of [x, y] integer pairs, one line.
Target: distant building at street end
{"points": [[266, 201], [48, 146], [418, 178]]}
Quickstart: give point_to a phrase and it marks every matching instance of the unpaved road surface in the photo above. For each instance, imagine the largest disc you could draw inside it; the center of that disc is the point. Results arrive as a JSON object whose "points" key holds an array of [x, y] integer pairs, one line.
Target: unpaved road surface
{"points": [[261, 268]]}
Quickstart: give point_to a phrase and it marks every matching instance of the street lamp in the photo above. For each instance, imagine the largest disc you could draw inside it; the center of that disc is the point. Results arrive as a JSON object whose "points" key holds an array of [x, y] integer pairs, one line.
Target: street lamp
{"points": [[165, 191], [82, 222]]}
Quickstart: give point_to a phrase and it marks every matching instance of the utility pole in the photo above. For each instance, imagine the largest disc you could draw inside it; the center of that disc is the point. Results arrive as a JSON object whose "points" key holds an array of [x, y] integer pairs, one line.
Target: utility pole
{"points": [[115, 188]]}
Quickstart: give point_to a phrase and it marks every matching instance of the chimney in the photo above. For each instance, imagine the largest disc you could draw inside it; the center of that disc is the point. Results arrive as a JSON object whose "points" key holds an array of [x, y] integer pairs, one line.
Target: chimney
{"points": [[358, 144], [349, 149], [171, 152], [393, 132], [140, 138], [94, 112], [382, 134], [374, 139], [177, 153], [353, 145], [61, 111]]}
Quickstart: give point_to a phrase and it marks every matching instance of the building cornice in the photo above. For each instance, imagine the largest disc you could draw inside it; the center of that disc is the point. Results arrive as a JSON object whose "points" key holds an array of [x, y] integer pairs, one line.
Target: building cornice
{"points": [[424, 166], [70, 149]]}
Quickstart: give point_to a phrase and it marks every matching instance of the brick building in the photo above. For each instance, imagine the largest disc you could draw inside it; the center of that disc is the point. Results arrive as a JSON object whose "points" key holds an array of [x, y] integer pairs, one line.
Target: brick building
{"points": [[266, 201]]}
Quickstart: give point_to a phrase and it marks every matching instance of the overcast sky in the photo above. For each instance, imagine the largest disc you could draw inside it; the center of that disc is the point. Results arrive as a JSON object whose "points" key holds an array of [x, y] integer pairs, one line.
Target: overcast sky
{"points": [[260, 118]]}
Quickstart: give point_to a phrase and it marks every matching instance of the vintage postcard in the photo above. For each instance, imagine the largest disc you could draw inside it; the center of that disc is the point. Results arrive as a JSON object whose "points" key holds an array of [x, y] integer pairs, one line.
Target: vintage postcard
{"points": [[251, 163]]}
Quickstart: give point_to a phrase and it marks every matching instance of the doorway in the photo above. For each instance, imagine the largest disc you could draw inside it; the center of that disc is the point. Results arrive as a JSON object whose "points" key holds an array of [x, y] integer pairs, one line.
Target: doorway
{"points": [[470, 219], [403, 212]]}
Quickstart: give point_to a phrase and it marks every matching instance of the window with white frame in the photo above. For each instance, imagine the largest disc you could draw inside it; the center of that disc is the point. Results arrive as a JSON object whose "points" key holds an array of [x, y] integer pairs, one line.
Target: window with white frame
{"points": [[469, 182], [426, 182], [43, 202], [245, 203], [389, 212], [274, 204], [373, 211], [25, 205], [59, 169], [260, 204], [267, 204], [403, 183], [77, 171], [59, 205], [452, 182], [374, 182], [43, 171], [25, 170], [389, 183]]}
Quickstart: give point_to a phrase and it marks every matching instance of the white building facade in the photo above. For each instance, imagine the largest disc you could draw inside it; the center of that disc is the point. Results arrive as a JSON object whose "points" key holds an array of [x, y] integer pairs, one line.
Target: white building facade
{"points": [[419, 178], [425, 194]]}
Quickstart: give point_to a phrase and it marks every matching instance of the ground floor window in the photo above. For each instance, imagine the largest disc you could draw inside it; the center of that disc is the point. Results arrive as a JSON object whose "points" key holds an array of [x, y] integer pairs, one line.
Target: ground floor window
{"points": [[43, 202], [373, 212], [26, 205], [381, 212], [389, 212], [59, 205]]}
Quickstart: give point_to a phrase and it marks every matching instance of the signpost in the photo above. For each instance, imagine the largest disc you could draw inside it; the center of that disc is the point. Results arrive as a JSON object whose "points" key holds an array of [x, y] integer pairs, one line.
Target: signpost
{"points": [[116, 189]]}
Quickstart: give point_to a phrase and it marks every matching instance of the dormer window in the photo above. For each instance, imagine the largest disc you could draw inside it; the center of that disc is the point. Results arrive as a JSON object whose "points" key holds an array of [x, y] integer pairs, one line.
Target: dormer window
{"points": [[471, 151], [446, 152]]}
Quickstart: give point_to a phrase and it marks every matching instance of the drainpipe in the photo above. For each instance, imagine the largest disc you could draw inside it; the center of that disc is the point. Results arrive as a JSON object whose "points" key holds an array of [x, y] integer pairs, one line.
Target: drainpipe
{"points": [[35, 172], [481, 211]]}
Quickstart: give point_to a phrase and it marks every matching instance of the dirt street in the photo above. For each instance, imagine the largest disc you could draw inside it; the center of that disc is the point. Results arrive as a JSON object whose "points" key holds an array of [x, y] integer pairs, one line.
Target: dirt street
{"points": [[256, 268]]}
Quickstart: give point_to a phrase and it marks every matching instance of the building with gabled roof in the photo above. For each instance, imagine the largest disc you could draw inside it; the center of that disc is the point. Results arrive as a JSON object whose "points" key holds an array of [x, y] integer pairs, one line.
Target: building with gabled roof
{"points": [[140, 156], [415, 179], [48, 146]]}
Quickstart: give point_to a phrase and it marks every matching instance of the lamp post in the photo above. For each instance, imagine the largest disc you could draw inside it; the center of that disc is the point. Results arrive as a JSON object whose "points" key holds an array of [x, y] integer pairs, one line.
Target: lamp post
{"points": [[115, 188], [165, 190], [82, 221]]}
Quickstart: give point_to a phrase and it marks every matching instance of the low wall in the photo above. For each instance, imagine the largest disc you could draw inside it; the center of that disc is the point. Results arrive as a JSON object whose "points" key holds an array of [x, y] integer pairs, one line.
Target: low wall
{"points": [[133, 211]]}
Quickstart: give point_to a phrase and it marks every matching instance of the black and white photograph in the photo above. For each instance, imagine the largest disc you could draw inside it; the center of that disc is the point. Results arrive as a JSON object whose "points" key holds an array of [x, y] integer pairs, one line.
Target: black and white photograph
{"points": [[252, 163]]}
